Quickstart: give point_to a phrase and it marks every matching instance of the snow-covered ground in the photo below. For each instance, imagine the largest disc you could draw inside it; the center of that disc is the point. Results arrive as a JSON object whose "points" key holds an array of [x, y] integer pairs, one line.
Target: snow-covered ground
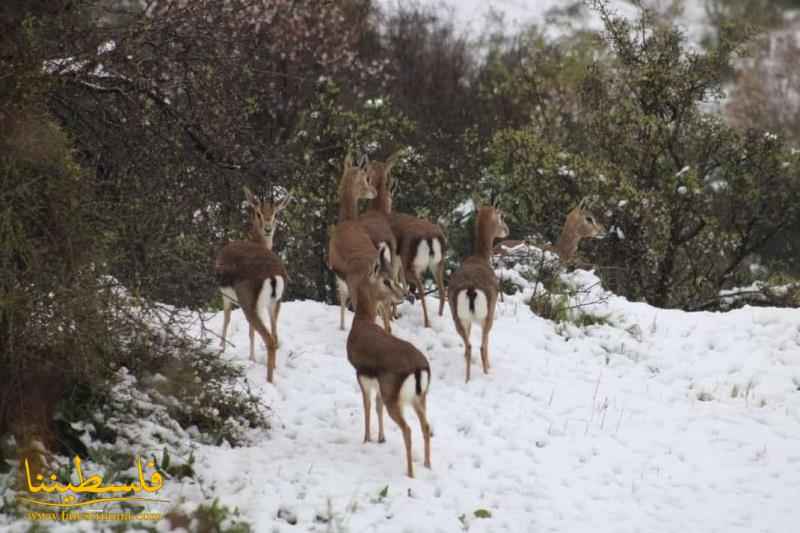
{"points": [[662, 421]]}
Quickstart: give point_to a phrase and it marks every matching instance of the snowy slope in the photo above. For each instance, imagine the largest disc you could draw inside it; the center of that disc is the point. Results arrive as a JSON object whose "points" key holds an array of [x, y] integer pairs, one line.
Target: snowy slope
{"points": [[665, 421]]}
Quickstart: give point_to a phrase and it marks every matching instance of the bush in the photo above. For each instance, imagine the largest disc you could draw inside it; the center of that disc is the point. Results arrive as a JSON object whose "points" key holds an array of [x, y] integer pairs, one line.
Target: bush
{"points": [[689, 197]]}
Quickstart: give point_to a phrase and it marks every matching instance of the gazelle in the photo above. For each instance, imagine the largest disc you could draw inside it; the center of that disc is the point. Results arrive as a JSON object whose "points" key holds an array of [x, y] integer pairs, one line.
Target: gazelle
{"points": [[421, 246], [580, 224], [392, 370], [376, 221], [474, 287], [251, 275], [351, 252]]}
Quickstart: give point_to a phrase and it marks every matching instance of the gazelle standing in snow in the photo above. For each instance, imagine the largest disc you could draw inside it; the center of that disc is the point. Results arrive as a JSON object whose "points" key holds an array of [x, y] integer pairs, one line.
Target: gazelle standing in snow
{"points": [[351, 252], [251, 275], [392, 369], [421, 246], [377, 223], [474, 287]]}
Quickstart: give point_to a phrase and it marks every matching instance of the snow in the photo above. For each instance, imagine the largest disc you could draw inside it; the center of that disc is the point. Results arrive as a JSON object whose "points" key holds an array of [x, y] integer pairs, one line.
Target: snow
{"points": [[662, 421], [472, 14]]}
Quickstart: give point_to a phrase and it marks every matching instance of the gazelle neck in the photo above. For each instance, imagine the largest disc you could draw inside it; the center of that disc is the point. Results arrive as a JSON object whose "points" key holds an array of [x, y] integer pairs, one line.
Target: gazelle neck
{"points": [[567, 245], [383, 201], [348, 203], [484, 237], [256, 234], [366, 305]]}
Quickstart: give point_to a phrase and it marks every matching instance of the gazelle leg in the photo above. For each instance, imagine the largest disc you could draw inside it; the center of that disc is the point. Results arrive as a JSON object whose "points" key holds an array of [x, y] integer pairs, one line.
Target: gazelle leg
{"points": [[365, 397], [396, 414], [439, 275], [342, 302], [421, 289], [466, 328], [485, 329], [249, 302], [379, 410], [463, 328], [273, 321], [419, 408], [226, 319], [253, 343], [485, 346]]}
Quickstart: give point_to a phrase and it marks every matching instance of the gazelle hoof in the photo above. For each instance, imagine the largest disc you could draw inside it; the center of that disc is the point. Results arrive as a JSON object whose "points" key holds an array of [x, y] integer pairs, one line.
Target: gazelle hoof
{"points": [[381, 440]]}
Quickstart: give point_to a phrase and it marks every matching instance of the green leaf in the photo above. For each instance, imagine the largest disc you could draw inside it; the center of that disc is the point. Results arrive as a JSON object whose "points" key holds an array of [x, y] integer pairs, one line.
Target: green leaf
{"points": [[482, 513], [384, 492]]}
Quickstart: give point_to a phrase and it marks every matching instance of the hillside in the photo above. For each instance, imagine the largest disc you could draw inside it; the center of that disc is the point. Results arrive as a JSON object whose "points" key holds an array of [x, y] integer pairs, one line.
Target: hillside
{"points": [[657, 421]]}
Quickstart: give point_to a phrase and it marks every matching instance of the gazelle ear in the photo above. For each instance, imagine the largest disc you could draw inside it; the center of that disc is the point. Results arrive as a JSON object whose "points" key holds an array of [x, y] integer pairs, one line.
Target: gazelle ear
{"points": [[582, 203], [252, 199], [348, 161], [394, 158], [283, 203], [477, 201], [495, 199]]}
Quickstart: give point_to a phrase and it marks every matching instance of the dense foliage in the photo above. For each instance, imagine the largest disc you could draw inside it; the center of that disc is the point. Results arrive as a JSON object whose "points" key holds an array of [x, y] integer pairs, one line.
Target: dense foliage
{"points": [[127, 132]]}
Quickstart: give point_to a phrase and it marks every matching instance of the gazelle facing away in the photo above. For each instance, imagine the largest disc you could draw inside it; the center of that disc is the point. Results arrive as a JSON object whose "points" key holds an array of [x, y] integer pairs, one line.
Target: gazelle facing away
{"points": [[392, 370], [474, 287], [421, 246], [251, 275]]}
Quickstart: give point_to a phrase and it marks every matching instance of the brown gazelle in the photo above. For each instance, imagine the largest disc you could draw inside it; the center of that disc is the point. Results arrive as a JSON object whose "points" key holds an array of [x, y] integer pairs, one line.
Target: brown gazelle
{"points": [[474, 287], [376, 221], [351, 252], [251, 275], [580, 224], [421, 246], [392, 369]]}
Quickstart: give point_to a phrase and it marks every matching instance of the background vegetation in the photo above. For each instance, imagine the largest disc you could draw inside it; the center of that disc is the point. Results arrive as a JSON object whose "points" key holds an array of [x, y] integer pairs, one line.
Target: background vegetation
{"points": [[127, 130]]}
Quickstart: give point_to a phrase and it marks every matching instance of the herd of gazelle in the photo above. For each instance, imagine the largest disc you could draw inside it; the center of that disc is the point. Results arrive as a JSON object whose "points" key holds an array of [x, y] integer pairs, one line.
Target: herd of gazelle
{"points": [[375, 255]]}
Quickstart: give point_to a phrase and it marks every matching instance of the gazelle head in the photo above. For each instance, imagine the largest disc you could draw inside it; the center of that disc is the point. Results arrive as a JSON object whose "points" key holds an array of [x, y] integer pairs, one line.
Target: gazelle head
{"points": [[492, 220], [384, 287], [264, 214], [355, 179], [379, 173], [582, 223]]}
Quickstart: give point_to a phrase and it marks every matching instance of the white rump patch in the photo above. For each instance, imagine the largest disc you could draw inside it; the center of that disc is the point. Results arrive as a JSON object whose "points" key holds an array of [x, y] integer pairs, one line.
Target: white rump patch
{"points": [[229, 295], [266, 301], [481, 306], [408, 391], [422, 258], [280, 284], [425, 381], [437, 254], [385, 253], [371, 385]]}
